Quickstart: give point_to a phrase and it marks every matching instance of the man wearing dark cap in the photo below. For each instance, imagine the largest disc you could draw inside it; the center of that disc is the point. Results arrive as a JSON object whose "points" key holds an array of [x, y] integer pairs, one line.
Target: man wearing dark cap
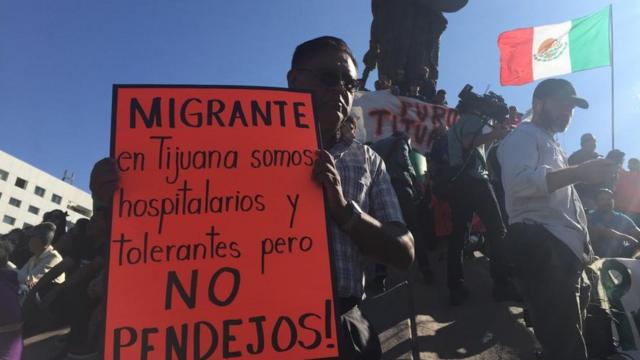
{"points": [[548, 240]]}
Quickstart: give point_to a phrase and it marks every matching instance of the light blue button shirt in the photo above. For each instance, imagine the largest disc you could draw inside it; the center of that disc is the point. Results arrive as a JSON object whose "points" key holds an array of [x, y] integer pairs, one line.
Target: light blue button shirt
{"points": [[526, 156]]}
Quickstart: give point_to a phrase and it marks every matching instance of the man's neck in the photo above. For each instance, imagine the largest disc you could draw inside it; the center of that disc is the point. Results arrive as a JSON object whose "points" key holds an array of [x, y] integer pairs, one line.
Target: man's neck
{"points": [[535, 121], [329, 140]]}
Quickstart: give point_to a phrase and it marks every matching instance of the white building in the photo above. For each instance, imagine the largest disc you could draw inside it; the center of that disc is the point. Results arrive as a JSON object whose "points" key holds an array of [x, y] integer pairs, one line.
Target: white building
{"points": [[26, 193]]}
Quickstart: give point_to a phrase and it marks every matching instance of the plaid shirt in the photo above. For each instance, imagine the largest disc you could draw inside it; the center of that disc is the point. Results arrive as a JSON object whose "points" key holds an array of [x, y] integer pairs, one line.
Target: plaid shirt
{"points": [[365, 181]]}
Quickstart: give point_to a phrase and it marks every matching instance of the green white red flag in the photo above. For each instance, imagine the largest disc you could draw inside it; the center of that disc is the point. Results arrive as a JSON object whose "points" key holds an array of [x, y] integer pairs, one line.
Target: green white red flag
{"points": [[539, 52]]}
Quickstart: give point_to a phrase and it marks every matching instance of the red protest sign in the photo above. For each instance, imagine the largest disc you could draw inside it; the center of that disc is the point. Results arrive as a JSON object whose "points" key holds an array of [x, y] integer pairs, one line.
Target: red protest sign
{"points": [[218, 244]]}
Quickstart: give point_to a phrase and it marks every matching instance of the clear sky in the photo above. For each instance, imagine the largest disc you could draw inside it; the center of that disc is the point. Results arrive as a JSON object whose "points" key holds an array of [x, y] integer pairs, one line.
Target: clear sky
{"points": [[58, 60]]}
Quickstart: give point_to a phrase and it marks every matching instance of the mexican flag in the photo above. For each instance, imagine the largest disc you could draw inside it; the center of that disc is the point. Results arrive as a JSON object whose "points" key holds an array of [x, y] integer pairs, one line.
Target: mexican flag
{"points": [[550, 50]]}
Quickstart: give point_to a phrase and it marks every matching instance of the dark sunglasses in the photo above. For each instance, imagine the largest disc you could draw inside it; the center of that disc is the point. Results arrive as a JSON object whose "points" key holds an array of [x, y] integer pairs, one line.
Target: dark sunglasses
{"points": [[331, 78]]}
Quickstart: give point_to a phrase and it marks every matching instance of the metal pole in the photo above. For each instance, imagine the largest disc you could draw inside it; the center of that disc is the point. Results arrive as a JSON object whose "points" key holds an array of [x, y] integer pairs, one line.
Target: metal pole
{"points": [[613, 133]]}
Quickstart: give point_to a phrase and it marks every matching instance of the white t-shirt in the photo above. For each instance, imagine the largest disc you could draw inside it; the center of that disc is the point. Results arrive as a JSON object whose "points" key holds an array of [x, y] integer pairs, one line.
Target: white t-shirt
{"points": [[37, 266]]}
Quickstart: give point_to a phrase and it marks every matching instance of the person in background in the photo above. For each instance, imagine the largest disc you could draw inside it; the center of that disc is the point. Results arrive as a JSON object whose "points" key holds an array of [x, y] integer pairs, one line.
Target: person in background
{"points": [[440, 98], [472, 192], [44, 258], [617, 157], [77, 250], [627, 193], [612, 233], [73, 302], [382, 84], [10, 318], [587, 192], [73, 239], [59, 219], [396, 151], [514, 118], [19, 242], [588, 145], [548, 242]]}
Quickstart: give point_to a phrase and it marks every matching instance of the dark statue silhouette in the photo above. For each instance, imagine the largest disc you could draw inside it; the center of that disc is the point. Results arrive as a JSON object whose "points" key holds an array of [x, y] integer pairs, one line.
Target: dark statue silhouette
{"points": [[405, 43]]}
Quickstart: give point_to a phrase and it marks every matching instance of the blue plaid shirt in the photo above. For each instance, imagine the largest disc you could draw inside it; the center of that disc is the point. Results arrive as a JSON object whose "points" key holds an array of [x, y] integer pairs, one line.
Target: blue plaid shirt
{"points": [[365, 181]]}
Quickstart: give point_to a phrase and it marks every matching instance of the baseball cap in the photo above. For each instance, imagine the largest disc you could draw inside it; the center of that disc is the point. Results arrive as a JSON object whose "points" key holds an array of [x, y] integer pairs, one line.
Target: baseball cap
{"points": [[559, 89]]}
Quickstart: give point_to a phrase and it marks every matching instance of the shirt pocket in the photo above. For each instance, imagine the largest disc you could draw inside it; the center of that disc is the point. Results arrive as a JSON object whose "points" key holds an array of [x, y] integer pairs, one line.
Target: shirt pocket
{"points": [[356, 185]]}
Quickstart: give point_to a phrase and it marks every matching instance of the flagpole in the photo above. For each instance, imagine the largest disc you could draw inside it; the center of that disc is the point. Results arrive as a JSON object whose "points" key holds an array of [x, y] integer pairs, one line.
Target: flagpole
{"points": [[613, 135]]}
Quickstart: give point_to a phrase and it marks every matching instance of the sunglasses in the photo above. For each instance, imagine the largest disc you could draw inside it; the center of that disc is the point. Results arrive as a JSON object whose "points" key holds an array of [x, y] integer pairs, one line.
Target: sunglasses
{"points": [[331, 78]]}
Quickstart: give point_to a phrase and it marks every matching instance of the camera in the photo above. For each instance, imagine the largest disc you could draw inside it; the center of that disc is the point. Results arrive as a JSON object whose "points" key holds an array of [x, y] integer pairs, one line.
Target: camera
{"points": [[489, 105]]}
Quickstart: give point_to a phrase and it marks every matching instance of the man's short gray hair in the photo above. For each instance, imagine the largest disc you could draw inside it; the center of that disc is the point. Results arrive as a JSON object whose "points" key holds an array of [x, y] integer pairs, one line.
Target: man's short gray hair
{"points": [[44, 231]]}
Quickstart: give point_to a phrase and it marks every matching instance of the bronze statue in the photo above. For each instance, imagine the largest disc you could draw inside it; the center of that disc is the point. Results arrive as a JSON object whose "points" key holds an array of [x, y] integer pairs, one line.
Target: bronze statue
{"points": [[405, 43]]}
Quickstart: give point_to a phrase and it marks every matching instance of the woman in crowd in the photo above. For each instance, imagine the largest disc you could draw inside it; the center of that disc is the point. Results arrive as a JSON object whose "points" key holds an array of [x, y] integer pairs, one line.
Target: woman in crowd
{"points": [[10, 319]]}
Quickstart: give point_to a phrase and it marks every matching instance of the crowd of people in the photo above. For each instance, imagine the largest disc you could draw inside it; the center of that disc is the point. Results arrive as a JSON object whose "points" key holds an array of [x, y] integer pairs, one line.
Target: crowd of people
{"points": [[545, 217], [51, 278]]}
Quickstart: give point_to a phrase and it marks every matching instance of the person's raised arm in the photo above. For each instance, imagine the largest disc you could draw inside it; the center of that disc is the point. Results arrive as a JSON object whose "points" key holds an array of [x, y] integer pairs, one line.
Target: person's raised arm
{"points": [[497, 133], [591, 172], [63, 266], [105, 179], [522, 176]]}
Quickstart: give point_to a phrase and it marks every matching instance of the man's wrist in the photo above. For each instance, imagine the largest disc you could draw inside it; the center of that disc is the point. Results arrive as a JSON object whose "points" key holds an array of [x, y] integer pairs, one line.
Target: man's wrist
{"points": [[341, 213], [354, 215], [576, 172]]}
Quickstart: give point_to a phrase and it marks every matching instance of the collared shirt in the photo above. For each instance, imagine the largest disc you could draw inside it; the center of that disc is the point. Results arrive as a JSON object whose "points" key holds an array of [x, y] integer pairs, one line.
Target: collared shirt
{"points": [[467, 125], [39, 265], [526, 156], [365, 181]]}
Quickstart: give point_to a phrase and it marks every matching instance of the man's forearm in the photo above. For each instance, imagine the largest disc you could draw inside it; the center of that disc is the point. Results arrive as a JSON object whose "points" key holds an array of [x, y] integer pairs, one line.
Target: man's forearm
{"points": [[561, 178], [389, 243], [54, 273], [472, 141], [87, 272]]}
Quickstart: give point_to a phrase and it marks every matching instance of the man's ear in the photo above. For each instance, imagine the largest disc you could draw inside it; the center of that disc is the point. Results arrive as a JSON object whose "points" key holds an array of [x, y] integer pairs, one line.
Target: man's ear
{"points": [[292, 77], [537, 105]]}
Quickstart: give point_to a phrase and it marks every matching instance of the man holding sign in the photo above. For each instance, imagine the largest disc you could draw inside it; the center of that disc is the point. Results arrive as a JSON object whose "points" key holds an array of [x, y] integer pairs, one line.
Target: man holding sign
{"points": [[366, 217], [352, 176]]}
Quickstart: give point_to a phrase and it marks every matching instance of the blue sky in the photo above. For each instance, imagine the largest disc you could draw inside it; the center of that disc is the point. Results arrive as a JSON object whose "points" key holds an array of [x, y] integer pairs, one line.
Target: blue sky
{"points": [[58, 60]]}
